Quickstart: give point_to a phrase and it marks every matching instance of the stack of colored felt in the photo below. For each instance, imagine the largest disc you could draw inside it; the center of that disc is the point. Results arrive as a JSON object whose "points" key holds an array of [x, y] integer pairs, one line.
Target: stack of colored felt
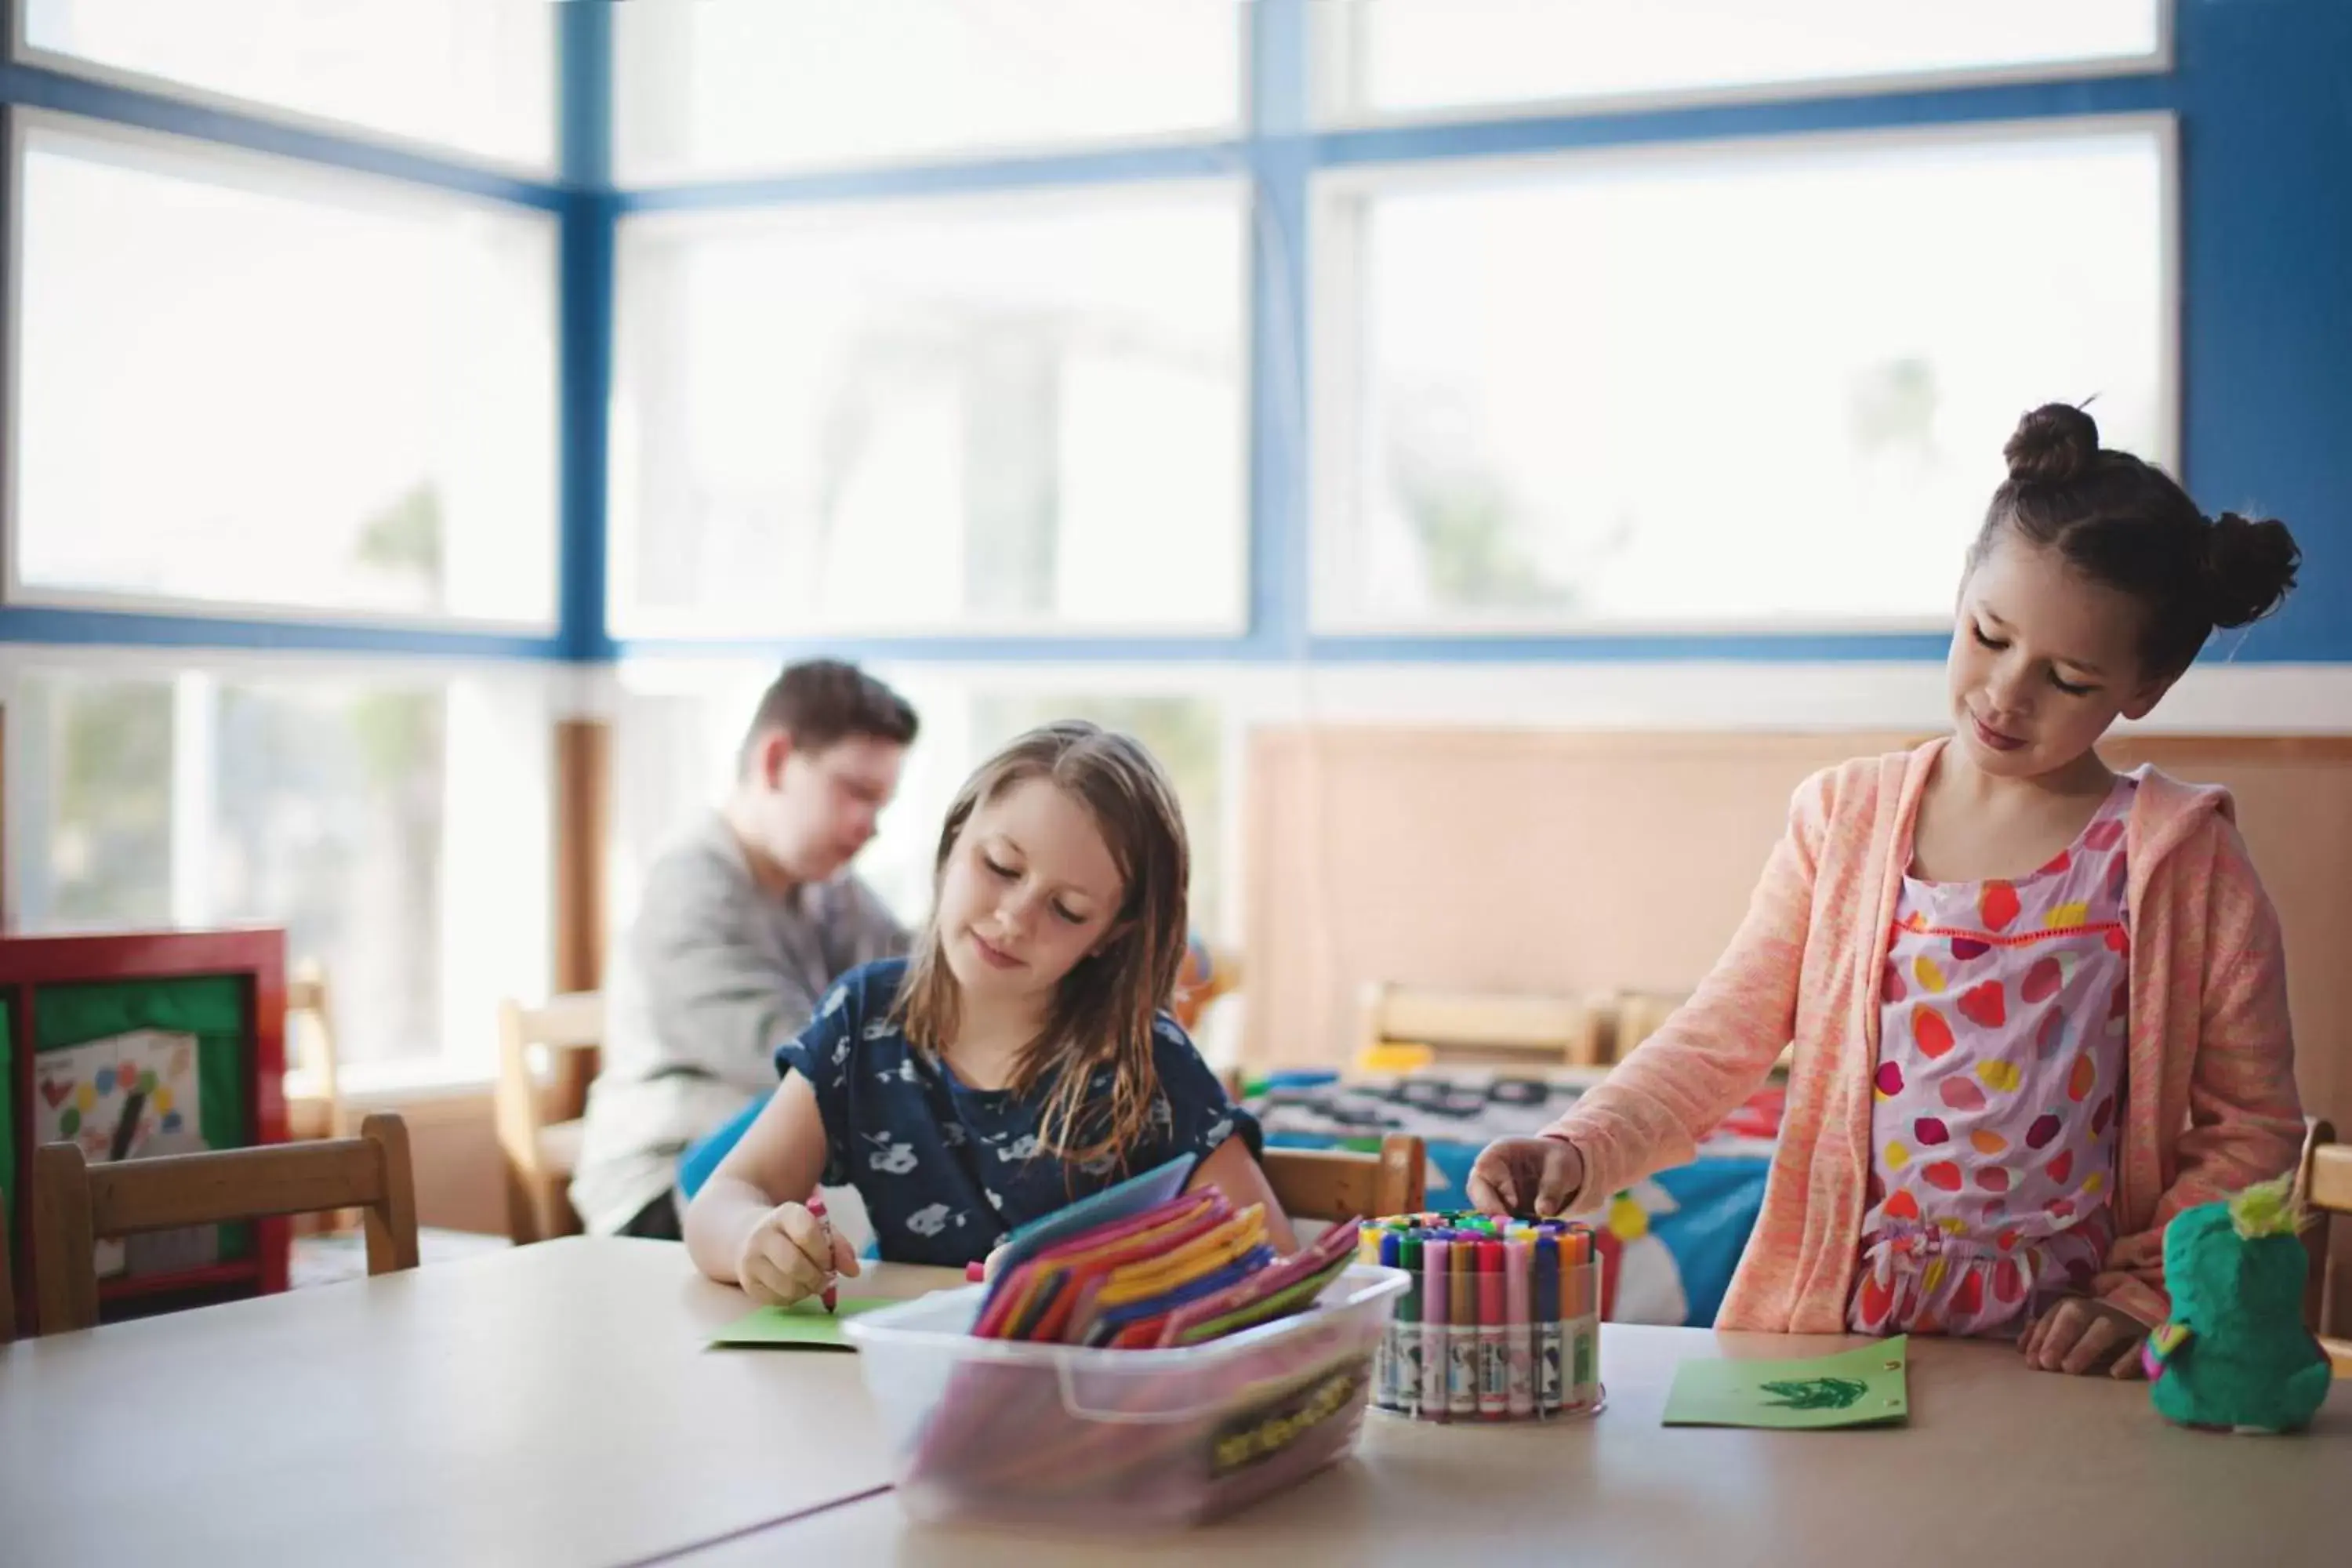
{"points": [[1199, 1422], [1181, 1272], [1502, 1321]]}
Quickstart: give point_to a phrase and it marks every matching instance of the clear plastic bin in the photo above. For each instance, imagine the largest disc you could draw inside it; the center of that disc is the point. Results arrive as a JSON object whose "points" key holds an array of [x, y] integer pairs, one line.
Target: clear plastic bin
{"points": [[1003, 1432]]}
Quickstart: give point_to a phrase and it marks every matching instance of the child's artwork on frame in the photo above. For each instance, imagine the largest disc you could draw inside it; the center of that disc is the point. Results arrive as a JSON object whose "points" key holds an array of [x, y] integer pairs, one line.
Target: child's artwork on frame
{"points": [[120, 1097]]}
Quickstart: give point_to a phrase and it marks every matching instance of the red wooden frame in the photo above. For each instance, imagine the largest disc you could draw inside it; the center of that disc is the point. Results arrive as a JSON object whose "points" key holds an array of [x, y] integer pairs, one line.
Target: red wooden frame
{"points": [[258, 957]]}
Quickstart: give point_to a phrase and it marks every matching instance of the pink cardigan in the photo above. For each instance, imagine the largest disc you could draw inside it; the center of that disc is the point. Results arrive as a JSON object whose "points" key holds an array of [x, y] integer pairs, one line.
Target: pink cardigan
{"points": [[2211, 1102]]}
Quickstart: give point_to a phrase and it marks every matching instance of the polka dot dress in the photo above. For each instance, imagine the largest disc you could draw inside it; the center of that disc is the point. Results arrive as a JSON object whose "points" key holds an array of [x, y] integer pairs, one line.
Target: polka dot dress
{"points": [[2001, 1026]]}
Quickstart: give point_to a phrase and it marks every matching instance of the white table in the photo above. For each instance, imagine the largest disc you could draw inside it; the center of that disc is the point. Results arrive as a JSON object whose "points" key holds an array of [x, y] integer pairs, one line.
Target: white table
{"points": [[549, 1404], [1998, 1466]]}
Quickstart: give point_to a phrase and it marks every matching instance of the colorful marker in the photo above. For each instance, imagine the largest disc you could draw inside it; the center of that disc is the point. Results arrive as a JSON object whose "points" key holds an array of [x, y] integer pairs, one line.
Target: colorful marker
{"points": [[1588, 1314], [1436, 1339], [1547, 1306], [1406, 1382], [1384, 1354], [1519, 1352], [1494, 1361], [1462, 1331]]}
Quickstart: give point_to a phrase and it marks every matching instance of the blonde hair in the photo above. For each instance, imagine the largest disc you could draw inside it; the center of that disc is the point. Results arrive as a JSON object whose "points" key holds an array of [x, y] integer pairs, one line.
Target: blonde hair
{"points": [[1105, 1009]]}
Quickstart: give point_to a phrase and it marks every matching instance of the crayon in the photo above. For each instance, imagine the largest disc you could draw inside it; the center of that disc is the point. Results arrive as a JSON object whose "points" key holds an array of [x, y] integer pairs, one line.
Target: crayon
{"points": [[816, 1206], [1519, 1352], [1494, 1365], [1462, 1331], [127, 1127], [1436, 1341]]}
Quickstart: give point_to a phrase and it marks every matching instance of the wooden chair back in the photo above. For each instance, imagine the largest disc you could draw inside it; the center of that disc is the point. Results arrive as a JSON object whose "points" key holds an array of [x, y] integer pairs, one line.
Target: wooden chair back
{"points": [[539, 1120], [1497, 1028], [310, 1039], [1341, 1184], [75, 1204], [1634, 1016], [2325, 1178]]}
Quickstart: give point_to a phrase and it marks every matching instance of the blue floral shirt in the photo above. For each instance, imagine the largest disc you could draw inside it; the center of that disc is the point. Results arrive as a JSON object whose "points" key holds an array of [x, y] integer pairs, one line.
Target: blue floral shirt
{"points": [[947, 1169]]}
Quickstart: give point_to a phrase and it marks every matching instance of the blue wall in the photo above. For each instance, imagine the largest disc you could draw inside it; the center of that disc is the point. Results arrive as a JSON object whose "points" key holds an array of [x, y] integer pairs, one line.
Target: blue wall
{"points": [[2264, 92], [2262, 89]]}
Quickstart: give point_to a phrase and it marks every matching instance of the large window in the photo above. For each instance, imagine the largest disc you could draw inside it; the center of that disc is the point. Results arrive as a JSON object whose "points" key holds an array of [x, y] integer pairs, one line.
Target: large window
{"points": [[477, 76], [1387, 59], [395, 826], [1719, 387], [243, 382], [1019, 413], [726, 85]]}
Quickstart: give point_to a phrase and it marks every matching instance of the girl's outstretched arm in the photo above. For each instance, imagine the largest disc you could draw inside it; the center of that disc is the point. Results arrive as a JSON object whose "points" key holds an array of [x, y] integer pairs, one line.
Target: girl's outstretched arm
{"points": [[1656, 1104]]}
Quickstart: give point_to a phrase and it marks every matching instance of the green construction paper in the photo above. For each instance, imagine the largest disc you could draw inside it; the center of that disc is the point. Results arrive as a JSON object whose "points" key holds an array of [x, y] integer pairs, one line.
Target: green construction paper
{"points": [[1864, 1387], [803, 1325]]}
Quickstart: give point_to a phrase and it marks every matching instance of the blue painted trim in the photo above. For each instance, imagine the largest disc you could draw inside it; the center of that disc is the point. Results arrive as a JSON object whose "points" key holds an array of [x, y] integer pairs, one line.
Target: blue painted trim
{"points": [[1260, 649], [41, 624], [1606, 647], [586, 355], [2260, 644], [1132, 165], [1957, 106], [39, 88], [585, 361], [1280, 573], [964, 648], [1279, 86], [583, 77]]}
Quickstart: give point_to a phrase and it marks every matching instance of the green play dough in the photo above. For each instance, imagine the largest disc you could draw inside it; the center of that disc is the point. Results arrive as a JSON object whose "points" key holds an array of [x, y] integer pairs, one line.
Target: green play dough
{"points": [[2240, 1357]]}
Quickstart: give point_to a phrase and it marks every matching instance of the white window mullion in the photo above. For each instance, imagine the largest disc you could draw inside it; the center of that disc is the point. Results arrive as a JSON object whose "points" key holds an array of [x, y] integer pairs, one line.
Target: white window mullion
{"points": [[195, 711]]}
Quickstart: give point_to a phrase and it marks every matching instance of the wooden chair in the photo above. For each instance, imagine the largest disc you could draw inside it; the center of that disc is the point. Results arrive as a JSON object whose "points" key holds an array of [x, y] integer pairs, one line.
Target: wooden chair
{"points": [[1635, 1015], [1497, 1028], [1340, 1183], [311, 1034], [313, 1049], [539, 1124], [2326, 1178], [76, 1204], [1210, 973]]}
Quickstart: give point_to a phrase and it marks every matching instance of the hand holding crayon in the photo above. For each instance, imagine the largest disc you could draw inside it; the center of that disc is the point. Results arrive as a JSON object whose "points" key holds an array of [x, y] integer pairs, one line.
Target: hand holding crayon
{"points": [[793, 1253], [1536, 1177]]}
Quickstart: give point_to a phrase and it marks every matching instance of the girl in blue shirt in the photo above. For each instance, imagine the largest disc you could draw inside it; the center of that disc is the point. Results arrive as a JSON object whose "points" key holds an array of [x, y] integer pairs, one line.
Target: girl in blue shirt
{"points": [[1021, 1058]]}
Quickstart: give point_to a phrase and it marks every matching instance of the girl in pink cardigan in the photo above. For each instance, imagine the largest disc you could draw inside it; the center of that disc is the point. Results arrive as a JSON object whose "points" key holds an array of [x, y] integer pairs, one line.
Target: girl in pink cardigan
{"points": [[2039, 1008]]}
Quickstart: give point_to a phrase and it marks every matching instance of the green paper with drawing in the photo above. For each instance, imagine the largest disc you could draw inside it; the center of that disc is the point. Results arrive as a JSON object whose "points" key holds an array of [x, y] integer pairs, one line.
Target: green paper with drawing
{"points": [[1863, 1387]]}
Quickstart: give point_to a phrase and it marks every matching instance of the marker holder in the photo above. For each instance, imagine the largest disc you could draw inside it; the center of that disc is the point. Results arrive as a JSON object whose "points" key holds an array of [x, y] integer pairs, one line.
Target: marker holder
{"points": [[1535, 1368]]}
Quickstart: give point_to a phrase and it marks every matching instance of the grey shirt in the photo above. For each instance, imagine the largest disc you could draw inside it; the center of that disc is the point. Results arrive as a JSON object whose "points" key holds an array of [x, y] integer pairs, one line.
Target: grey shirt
{"points": [[715, 972]]}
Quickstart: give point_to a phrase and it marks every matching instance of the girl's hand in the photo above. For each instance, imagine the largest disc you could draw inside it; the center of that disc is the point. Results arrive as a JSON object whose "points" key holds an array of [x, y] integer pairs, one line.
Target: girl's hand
{"points": [[988, 1269], [1526, 1175], [2080, 1336], [789, 1255]]}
